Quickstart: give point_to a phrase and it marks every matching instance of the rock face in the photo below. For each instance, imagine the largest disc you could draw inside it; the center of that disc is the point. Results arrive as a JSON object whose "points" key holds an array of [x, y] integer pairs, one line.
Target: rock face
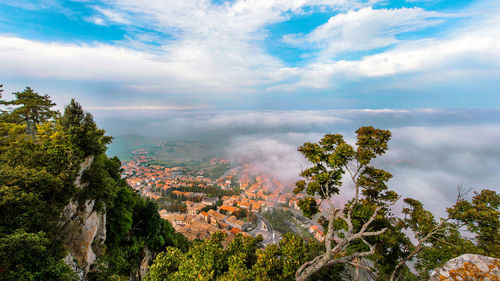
{"points": [[84, 229], [143, 268], [468, 268]]}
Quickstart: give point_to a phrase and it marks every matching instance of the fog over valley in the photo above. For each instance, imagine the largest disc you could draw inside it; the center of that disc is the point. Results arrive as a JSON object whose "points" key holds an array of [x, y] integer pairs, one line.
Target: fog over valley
{"points": [[430, 153]]}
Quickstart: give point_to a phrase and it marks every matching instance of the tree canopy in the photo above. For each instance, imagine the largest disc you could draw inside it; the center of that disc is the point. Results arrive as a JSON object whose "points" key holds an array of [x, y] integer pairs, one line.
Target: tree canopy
{"points": [[30, 109], [40, 155], [365, 231]]}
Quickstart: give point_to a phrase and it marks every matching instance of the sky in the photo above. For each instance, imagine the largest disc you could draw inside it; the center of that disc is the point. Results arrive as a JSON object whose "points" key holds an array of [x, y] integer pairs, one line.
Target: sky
{"points": [[267, 75], [254, 54]]}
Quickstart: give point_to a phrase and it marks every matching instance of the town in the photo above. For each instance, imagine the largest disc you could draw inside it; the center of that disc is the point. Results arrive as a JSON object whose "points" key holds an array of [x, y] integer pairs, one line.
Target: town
{"points": [[237, 202]]}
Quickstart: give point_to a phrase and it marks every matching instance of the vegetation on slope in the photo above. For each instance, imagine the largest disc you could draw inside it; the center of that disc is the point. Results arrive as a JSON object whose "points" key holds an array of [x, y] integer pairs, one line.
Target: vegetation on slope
{"points": [[40, 155], [243, 259]]}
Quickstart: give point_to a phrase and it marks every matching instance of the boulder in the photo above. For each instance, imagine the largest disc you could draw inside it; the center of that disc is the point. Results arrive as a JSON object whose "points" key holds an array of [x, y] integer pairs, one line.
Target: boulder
{"points": [[468, 268]]}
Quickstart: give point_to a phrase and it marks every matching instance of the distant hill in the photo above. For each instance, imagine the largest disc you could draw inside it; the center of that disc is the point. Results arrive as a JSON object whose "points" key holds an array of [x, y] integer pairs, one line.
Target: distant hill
{"points": [[123, 146], [164, 149]]}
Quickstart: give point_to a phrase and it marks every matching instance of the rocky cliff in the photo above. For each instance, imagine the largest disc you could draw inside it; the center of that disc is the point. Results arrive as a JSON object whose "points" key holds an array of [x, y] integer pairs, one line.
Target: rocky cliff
{"points": [[84, 229], [468, 267]]}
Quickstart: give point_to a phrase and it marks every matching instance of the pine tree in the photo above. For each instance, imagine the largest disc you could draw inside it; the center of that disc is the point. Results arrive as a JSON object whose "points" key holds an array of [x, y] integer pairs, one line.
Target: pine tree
{"points": [[32, 109]]}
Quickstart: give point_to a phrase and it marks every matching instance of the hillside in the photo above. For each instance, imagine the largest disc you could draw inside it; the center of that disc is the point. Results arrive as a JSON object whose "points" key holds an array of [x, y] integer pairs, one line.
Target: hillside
{"points": [[67, 214]]}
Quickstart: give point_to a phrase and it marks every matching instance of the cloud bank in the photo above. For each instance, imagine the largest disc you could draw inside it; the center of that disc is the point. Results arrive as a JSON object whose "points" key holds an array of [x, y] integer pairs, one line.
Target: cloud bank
{"points": [[430, 153]]}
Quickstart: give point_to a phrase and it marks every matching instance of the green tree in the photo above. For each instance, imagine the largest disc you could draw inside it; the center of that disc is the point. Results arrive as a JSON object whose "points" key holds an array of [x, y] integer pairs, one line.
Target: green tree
{"points": [[480, 216], [31, 109], [241, 259], [355, 224], [166, 265], [439, 240], [37, 176], [82, 130], [27, 256]]}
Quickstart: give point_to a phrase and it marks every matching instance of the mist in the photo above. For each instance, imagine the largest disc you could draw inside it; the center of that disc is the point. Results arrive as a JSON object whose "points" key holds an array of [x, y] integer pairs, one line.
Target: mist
{"points": [[430, 153]]}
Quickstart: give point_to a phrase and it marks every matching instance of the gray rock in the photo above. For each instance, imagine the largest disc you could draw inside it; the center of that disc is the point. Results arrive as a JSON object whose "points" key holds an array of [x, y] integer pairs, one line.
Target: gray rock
{"points": [[84, 229], [468, 267]]}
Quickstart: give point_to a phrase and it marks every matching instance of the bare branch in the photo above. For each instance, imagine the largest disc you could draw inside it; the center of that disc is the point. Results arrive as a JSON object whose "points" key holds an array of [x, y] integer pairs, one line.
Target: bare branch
{"points": [[415, 251], [357, 264], [356, 196], [347, 221], [374, 233], [374, 215]]}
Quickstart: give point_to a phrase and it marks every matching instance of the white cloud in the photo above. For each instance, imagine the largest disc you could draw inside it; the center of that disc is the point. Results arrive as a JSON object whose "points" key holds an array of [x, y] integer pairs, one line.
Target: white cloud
{"points": [[269, 119], [216, 48], [267, 155], [31, 5], [113, 16], [430, 153], [96, 20], [143, 108], [219, 48], [429, 162], [185, 69], [468, 53], [364, 29]]}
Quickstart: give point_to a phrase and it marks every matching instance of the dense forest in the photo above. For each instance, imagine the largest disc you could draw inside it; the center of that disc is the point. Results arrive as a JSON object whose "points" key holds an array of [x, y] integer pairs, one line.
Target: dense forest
{"points": [[42, 152]]}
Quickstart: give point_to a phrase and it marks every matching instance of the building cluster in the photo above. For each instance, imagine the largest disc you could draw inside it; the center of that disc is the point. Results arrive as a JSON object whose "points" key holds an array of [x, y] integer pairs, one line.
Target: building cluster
{"points": [[149, 179], [204, 224], [259, 194]]}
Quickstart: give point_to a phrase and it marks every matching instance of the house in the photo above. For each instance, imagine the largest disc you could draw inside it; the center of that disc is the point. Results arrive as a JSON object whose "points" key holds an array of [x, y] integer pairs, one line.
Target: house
{"points": [[243, 204], [282, 199], [205, 216], [215, 217], [235, 223], [227, 209], [235, 231], [192, 211], [152, 195], [210, 200], [319, 235]]}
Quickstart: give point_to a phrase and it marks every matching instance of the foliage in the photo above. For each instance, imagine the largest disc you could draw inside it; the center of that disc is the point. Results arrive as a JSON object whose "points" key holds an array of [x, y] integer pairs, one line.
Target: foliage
{"points": [[252, 218], [172, 205], [209, 207], [30, 109], [240, 213], [242, 259], [40, 154], [28, 256], [279, 219], [440, 241], [365, 228], [82, 130], [481, 217], [361, 222]]}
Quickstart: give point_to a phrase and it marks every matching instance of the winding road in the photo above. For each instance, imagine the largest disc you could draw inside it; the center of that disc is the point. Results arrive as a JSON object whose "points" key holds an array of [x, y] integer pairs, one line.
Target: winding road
{"points": [[265, 228]]}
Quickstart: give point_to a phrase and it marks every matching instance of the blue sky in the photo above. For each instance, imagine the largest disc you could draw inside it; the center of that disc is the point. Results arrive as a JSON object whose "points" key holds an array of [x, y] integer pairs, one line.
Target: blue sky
{"points": [[254, 54]]}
